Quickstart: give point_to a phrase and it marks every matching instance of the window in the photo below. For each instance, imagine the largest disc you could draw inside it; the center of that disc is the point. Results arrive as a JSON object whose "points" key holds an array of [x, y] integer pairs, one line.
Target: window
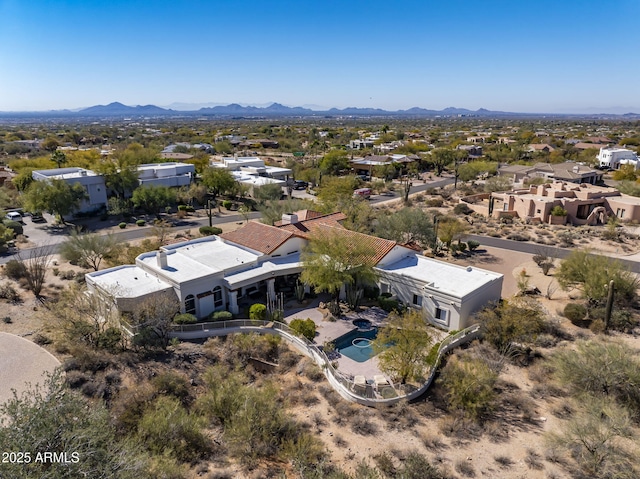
{"points": [[620, 213], [190, 304], [441, 314], [217, 297], [417, 300]]}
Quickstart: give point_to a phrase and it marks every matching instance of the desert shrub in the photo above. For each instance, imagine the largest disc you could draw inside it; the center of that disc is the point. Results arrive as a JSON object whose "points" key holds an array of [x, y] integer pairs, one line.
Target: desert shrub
{"points": [[304, 327], [597, 326], [209, 230], [575, 312], [221, 316], [227, 204], [182, 207], [388, 304], [360, 424], [141, 222], [434, 202], [558, 211], [469, 385], [465, 468], [623, 320], [258, 311], [473, 245], [9, 293], [7, 320], [15, 270], [110, 339], [519, 237], [171, 383], [185, 318], [462, 209], [122, 225], [15, 226], [167, 428]]}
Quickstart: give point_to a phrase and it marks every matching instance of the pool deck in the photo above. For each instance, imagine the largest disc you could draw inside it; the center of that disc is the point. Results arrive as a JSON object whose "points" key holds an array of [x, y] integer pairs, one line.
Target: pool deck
{"points": [[330, 330]]}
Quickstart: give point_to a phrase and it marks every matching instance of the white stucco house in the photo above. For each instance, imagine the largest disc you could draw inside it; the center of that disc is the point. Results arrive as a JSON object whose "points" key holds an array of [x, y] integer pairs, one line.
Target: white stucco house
{"points": [[92, 182], [258, 261], [615, 157], [171, 174]]}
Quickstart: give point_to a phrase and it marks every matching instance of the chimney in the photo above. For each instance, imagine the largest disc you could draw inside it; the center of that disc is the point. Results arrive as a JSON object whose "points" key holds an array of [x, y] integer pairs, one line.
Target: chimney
{"points": [[161, 257], [289, 218]]}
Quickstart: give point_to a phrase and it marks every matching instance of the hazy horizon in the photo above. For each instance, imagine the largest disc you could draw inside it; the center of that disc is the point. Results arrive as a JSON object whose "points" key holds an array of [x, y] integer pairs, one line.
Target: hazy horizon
{"points": [[525, 57]]}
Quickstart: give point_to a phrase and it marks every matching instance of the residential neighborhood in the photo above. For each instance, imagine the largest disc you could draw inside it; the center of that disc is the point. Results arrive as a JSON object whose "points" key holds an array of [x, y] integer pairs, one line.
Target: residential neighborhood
{"points": [[368, 274]]}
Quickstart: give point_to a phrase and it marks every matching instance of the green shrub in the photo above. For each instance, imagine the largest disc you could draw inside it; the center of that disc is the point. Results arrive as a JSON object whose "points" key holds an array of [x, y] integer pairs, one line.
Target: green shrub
{"points": [[258, 312], [190, 209], [182, 207], [434, 202], [227, 204], [122, 225], [221, 316], [209, 230], [140, 222], [462, 209], [388, 304], [304, 327], [15, 226], [9, 293], [110, 339], [575, 312], [185, 318], [15, 269], [473, 245], [558, 211]]}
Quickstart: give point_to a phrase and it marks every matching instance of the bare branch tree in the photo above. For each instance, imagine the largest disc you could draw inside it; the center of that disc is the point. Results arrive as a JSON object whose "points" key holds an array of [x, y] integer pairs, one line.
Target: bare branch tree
{"points": [[35, 265]]}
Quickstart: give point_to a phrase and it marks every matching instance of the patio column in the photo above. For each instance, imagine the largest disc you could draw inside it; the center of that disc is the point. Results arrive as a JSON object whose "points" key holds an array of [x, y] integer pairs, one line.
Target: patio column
{"points": [[233, 302], [307, 289], [271, 289]]}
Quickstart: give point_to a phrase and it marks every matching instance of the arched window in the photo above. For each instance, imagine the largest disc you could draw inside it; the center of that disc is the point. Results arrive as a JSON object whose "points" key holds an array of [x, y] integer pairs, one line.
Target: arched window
{"points": [[217, 297], [190, 304]]}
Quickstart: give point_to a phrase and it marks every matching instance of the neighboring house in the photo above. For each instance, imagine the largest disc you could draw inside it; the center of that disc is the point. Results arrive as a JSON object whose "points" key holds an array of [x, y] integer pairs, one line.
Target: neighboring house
{"points": [[540, 148], [259, 261], [473, 151], [92, 182], [170, 174], [568, 171], [252, 171], [615, 157], [361, 144], [367, 164], [585, 204]]}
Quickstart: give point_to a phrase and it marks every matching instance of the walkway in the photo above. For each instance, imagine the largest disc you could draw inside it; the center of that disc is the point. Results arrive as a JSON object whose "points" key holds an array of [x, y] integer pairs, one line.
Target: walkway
{"points": [[22, 363]]}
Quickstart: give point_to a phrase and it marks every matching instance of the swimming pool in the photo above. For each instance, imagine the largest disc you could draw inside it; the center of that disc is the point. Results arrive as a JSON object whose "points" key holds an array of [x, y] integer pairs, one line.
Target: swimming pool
{"points": [[356, 344]]}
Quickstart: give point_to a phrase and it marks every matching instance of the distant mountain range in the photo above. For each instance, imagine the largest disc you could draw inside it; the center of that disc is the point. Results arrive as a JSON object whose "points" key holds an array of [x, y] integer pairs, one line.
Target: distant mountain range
{"points": [[234, 110]]}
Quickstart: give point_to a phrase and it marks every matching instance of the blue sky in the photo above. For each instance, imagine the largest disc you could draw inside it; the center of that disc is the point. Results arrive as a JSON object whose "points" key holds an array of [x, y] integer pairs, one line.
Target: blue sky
{"points": [[536, 56]]}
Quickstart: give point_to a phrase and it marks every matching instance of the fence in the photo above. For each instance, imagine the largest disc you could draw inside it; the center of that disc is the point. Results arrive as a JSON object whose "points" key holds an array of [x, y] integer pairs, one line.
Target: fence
{"points": [[368, 395]]}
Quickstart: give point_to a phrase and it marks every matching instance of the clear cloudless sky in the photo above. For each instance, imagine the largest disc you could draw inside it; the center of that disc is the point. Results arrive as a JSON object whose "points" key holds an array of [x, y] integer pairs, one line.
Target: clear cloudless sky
{"points": [[526, 56]]}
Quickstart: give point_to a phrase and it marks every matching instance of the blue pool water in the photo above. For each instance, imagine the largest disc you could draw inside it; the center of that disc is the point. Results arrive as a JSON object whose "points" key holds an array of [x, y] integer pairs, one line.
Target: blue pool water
{"points": [[356, 344]]}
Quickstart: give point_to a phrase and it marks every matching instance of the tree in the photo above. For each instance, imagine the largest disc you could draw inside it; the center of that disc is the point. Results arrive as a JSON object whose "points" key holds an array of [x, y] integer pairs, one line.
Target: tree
{"points": [[625, 173], [592, 273], [607, 369], [441, 158], [120, 177], [57, 420], [334, 259], [334, 161], [403, 346], [6, 235], [153, 198], [515, 321], [59, 158], [469, 384], [594, 436], [55, 197], [407, 225], [153, 318], [272, 211], [498, 183], [450, 228], [218, 181], [50, 144], [269, 192], [87, 249], [336, 191], [35, 267]]}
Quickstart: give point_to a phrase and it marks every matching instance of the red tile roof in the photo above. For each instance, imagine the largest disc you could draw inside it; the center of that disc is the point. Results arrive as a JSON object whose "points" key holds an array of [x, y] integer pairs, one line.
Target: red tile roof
{"points": [[304, 228], [258, 237]]}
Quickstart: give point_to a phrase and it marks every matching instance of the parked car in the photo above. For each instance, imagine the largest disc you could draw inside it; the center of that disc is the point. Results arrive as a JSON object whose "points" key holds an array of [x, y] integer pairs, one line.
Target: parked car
{"points": [[300, 185], [14, 216]]}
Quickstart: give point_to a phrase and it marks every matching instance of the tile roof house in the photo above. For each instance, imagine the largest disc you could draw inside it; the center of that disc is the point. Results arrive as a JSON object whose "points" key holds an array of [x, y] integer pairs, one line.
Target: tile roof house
{"points": [[216, 272], [568, 171]]}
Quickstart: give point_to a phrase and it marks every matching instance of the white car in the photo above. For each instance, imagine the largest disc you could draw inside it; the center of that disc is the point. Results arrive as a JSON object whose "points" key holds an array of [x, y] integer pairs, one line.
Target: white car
{"points": [[14, 216]]}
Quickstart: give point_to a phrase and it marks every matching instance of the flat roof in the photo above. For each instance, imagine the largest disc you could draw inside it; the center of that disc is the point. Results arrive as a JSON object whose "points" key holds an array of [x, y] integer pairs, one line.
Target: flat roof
{"points": [[128, 281], [452, 279], [197, 258], [65, 173]]}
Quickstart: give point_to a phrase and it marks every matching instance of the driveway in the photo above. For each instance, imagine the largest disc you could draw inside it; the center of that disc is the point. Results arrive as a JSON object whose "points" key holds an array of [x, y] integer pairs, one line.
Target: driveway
{"points": [[22, 363]]}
